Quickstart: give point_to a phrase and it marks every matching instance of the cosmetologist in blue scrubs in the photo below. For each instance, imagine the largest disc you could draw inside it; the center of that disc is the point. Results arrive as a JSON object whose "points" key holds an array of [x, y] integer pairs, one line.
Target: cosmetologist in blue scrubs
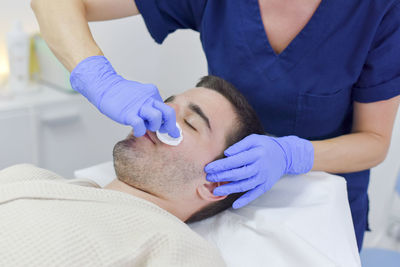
{"points": [[348, 51]]}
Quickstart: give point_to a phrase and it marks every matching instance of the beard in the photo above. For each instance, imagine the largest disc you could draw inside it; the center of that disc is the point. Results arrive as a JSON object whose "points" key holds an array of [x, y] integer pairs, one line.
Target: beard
{"points": [[159, 172]]}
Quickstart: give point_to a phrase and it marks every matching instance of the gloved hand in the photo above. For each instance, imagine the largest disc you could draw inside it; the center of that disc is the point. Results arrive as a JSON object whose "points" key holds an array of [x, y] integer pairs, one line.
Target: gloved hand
{"points": [[256, 163], [127, 102]]}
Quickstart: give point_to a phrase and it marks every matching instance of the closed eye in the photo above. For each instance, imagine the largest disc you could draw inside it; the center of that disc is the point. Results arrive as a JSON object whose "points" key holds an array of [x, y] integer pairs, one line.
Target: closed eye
{"points": [[190, 125]]}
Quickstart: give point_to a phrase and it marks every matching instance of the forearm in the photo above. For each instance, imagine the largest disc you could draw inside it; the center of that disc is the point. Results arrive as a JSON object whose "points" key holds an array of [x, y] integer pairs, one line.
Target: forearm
{"points": [[349, 153], [64, 27]]}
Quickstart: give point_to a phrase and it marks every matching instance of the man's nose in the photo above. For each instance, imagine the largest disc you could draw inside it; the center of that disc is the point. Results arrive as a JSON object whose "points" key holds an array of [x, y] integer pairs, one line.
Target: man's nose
{"points": [[177, 110]]}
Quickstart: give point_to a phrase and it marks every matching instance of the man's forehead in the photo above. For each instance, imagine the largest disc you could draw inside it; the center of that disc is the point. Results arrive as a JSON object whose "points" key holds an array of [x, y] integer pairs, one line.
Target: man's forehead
{"points": [[207, 99], [199, 94]]}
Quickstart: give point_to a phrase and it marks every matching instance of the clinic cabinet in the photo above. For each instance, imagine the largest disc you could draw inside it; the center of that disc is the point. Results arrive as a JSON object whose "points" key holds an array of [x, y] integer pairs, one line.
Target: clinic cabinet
{"points": [[55, 130]]}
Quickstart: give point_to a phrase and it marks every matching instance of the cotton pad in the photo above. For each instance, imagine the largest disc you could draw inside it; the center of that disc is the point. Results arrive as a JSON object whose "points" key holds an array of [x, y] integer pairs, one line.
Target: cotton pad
{"points": [[169, 140]]}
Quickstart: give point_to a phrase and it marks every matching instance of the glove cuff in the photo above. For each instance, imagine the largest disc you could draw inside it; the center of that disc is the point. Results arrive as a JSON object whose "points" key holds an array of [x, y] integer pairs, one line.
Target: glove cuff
{"points": [[87, 75], [299, 153]]}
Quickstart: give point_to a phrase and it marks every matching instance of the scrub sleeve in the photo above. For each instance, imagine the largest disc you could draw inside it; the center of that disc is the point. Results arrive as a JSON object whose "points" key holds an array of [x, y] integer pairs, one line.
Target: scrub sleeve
{"points": [[348, 51]]}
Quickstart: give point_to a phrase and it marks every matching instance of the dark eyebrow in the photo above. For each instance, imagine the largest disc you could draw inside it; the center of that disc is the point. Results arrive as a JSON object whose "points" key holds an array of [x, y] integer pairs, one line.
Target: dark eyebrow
{"points": [[169, 99], [195, 108]]}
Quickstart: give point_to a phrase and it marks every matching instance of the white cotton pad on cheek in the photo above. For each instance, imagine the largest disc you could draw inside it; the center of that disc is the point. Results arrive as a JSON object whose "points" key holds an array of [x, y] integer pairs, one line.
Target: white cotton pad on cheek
{"points": [[167, 139]]}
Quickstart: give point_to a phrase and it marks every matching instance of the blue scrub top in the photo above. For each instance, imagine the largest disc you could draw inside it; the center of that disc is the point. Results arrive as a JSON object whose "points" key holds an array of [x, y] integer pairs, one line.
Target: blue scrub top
{"points": [[348, 51]]}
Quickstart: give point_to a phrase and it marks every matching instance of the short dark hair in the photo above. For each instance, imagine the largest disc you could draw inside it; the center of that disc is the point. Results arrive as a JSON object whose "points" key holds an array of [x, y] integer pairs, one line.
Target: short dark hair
{"points": [[247, 123]]}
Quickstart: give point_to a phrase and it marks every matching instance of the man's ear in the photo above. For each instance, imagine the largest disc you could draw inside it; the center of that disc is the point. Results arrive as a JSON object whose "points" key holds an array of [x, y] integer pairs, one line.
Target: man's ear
{"points": [[206, 190]]}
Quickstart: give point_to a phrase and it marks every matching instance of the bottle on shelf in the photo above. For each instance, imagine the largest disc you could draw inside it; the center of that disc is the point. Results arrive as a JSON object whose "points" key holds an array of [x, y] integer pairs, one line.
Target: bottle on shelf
{"points": [[18, 57]]}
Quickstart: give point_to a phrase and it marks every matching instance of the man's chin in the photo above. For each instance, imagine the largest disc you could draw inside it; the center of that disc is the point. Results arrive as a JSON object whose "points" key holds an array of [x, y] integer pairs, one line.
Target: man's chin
{"points": [[129, 141], [124, 147]]}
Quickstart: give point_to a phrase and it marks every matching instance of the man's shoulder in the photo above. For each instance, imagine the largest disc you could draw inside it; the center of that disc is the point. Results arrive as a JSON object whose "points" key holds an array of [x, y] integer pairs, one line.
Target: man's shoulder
{"points": [[182, 239], [26, 172]]}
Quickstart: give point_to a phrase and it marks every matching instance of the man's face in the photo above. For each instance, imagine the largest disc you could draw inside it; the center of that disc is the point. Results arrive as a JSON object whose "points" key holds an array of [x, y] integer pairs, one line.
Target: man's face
{"points": [[163, 170]]}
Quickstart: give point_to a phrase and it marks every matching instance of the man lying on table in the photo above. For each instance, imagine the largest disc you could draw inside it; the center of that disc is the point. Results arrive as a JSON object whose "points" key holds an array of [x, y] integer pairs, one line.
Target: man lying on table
{"points": [[139, 218]]}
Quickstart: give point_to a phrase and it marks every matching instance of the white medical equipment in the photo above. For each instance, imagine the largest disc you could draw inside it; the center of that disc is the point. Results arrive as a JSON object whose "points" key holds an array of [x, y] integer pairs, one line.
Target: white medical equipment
{"points": [[308, 215]]}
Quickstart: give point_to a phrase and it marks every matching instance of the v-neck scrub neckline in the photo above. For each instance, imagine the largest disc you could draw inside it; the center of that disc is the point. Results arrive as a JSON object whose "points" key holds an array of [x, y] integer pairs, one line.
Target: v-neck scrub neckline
{"points": [[252, 28]]}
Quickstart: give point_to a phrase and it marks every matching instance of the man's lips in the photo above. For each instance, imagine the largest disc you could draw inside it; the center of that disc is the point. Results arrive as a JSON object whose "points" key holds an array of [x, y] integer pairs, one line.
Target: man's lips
{"points": [[149, 135], [151, 138]]}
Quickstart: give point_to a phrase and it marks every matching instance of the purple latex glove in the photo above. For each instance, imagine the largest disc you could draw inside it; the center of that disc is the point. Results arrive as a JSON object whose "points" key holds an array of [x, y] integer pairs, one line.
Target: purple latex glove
{"points": [[257, 162], [127, 102]]}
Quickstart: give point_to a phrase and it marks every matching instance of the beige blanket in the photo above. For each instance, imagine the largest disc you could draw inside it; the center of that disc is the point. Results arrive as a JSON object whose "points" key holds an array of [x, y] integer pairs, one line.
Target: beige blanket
{"points": [[47, 221]]}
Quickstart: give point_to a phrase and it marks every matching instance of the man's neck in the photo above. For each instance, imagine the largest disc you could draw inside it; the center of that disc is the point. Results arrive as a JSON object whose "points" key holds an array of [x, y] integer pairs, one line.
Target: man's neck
{"points": [[165, 204]]}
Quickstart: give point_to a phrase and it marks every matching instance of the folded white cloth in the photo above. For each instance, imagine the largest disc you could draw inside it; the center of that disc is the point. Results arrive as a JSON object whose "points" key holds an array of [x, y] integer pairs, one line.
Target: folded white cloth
{"points": [[102, 173], [303, 220]]}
